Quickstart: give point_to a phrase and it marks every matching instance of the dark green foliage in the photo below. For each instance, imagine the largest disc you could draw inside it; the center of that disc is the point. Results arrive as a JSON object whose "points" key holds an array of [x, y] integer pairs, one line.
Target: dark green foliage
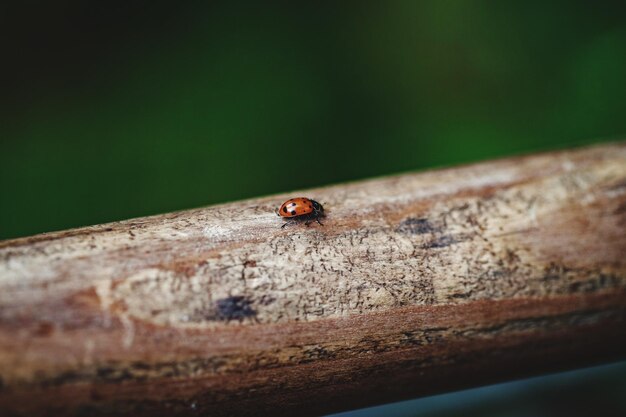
{"points": [[113, 111]]}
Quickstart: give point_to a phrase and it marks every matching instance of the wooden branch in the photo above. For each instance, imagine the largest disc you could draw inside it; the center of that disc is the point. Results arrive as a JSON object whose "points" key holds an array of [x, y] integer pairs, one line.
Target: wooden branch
{"points": [[416, 284]]}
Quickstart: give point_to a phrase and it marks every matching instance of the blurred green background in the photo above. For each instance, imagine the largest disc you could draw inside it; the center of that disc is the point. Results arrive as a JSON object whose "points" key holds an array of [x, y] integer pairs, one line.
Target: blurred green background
{"points": [[112, 110]]}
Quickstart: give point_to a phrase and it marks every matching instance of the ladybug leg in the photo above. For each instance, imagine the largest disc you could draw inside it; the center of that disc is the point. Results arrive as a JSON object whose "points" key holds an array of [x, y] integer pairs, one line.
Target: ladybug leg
{"points": [[317, 219], [288, 222]]}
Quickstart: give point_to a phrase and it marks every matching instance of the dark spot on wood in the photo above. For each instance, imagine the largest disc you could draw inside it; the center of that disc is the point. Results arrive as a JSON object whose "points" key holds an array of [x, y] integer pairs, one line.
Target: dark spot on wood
{"points": [[620, 209], [249, 263], [234, 308], [68, 377], [142, 366], [266, 300], [44, 329], [553, 272], [601, 282], [618, 186], [104, 373], [415, 226], [440, 242], [461, 295], [95, 395], [315, 353], [423, 337], [512, 257]]}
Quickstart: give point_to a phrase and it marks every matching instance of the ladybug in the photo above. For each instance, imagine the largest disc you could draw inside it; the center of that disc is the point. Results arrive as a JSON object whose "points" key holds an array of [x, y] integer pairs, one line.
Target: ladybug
{"points": [[301, 208]]}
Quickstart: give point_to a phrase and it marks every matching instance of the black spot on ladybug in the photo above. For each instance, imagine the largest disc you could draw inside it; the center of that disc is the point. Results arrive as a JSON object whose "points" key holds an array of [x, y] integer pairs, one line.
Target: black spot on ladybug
{"points": [[285, 209], [234, 308], [293, 212], [292, 204]]}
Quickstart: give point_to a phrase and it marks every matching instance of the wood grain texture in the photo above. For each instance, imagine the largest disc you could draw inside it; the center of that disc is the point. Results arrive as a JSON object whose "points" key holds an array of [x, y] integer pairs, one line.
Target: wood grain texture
{"points": [[416, 284]]}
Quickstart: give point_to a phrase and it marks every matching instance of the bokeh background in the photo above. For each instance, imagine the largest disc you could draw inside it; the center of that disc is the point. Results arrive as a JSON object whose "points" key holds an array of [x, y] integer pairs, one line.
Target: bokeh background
{"points": [[112, 110]]}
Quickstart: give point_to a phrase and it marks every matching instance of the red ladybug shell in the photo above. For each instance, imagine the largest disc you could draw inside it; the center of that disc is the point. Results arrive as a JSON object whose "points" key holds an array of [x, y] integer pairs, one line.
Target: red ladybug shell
{"points": [[296, 207]]}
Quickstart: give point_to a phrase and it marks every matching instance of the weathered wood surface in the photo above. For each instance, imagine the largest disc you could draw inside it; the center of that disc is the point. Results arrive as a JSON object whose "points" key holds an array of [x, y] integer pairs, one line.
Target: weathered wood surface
{"points": [[416, 284]]}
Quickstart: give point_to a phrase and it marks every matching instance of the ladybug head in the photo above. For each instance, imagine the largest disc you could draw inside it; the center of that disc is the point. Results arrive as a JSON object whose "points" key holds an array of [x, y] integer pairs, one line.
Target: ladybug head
{"points": [[317, 207]]}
